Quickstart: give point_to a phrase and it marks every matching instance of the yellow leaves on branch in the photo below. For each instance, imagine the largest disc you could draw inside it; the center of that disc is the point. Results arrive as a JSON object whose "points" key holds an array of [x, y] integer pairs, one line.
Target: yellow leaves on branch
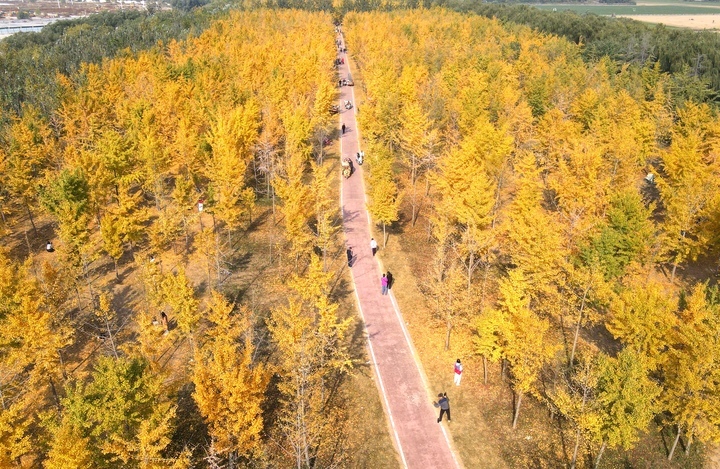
{"points": [[229, 383], [231, 138]]}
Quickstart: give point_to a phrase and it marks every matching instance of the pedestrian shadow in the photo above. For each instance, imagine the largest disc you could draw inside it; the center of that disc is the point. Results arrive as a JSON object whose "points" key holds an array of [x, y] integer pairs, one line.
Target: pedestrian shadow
{"points": [[349, 216]]}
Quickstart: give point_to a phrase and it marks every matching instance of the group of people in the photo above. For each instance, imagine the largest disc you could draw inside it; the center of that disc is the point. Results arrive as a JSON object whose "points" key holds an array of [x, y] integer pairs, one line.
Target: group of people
{"points": [[443, 402], [347, 167], [386, 281]]}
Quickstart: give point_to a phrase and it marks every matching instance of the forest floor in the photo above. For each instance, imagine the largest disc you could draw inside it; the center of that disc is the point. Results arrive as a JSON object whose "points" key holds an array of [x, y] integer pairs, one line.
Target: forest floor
{"points": [[249, 265], [482, 414]]}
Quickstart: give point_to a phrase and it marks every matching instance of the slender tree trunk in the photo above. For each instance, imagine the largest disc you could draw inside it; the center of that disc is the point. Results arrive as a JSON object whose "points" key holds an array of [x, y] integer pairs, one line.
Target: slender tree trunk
{"points": [[54, 392], [517, 409], [27, 242], [483, 289], [600, 453], [485, 371], [575, 451], [687, 446], [32, 221], [2, 214], [412, 214], [384, 236], [674, 269], [677, 438], [577, 434], [677, 259], [448, 326], [577, 326], [217, 260], [470, 269], [187, 235], [112, 340]]}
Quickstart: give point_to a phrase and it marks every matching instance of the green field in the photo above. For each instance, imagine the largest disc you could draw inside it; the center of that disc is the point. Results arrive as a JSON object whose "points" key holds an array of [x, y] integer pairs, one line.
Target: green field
{"points": [[658, 8]]}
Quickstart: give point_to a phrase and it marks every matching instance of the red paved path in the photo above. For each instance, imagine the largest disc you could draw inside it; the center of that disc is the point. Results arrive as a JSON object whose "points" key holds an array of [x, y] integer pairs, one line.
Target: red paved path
{"points": [[420, 440]]}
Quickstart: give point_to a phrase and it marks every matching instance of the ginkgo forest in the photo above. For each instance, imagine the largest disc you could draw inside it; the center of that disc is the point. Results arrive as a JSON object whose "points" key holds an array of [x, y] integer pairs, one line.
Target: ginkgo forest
{"points": [[174, 291]]}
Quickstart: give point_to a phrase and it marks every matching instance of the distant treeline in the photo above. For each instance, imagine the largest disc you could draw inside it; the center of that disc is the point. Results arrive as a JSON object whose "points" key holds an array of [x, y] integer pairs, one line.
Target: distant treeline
{"points": [[30, 62], [692, 57]]}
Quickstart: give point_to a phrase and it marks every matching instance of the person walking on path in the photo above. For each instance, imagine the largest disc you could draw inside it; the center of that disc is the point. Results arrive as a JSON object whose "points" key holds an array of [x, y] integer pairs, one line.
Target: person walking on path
{"points": [[373, 246], [390, 280], [343, 129], [444, 403], [384, 283], [349, 256], [458, 372]]}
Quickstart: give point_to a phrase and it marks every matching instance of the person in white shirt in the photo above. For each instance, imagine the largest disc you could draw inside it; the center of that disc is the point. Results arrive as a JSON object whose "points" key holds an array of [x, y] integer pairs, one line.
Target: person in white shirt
{"points": [[458, 372], [373, 246]]}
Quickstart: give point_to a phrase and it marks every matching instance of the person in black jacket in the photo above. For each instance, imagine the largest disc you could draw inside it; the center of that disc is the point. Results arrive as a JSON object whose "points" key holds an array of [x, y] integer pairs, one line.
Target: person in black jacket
{"points": [[444, 404]]}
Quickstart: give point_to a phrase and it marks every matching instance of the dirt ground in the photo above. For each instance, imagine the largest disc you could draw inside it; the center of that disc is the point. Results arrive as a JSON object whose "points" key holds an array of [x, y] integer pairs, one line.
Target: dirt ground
{"points": [[698, 22]]}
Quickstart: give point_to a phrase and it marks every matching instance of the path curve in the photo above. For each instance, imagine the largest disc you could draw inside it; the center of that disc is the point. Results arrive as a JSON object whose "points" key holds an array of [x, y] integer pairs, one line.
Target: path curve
{"points": [[421, 442]]}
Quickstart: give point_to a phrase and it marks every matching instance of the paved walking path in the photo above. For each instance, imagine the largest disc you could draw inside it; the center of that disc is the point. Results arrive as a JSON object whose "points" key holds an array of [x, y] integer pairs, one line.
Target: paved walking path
{"points": [[421, 441]]}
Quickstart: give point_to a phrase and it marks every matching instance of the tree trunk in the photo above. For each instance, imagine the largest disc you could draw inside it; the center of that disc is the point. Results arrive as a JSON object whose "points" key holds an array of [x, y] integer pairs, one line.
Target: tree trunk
{"points": [[187, 235], [324, 254], [577, 326], [687, 446], [575, 451], [384, 236], [27, 242], [412, 214], [32, 222], [448, 326], [600, 453], [54, 392], [112, 340], [517, 409], [483, 289], [672, 276], [2, 214], [677, 438], [217, 252], [485, 373], [470, 269], [577, 435]]}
